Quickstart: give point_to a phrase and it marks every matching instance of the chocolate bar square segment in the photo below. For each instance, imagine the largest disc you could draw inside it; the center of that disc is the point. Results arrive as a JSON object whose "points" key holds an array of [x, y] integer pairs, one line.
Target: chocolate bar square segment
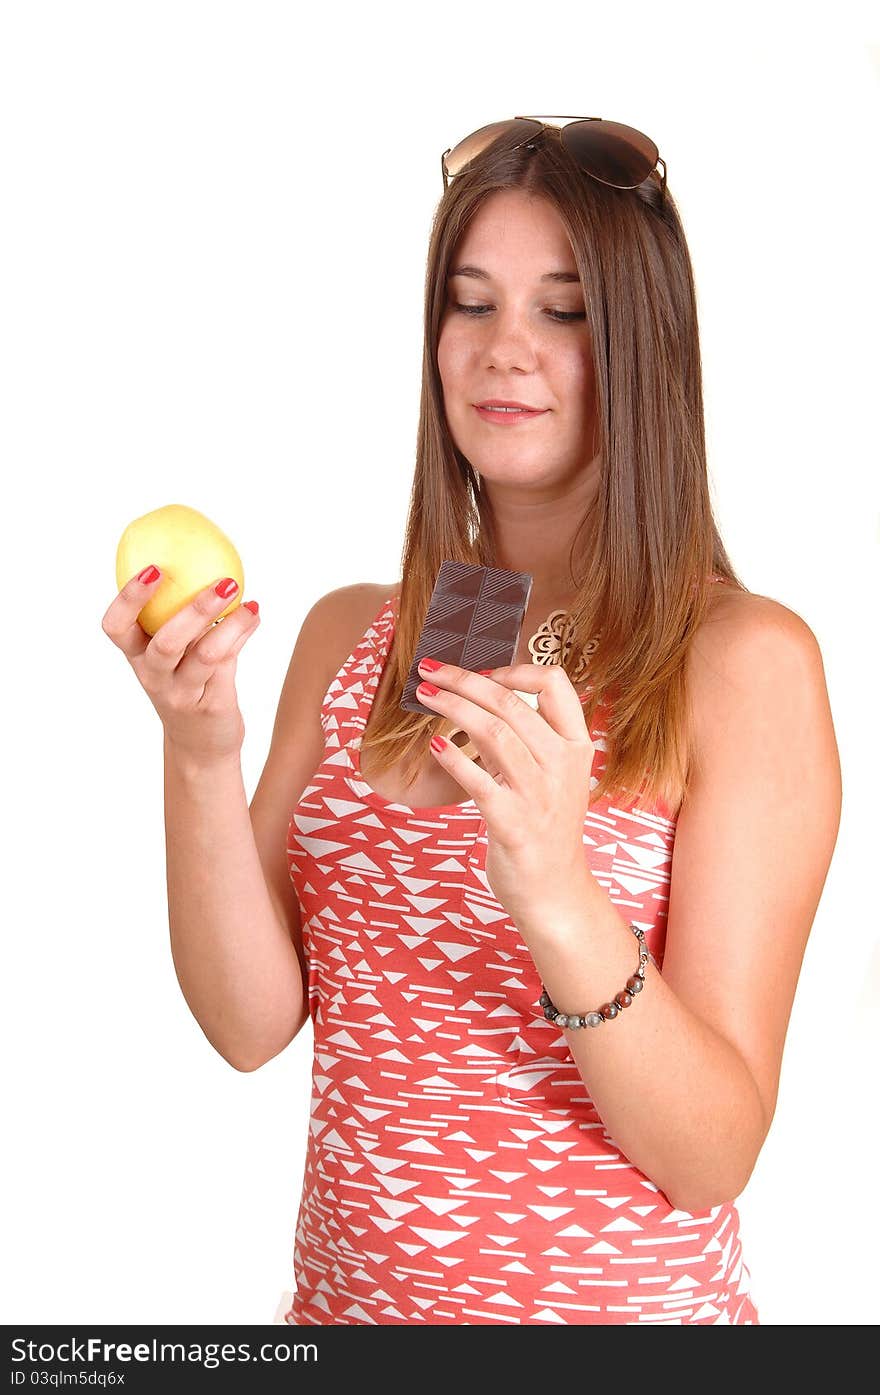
{"points": [[474, 619]]}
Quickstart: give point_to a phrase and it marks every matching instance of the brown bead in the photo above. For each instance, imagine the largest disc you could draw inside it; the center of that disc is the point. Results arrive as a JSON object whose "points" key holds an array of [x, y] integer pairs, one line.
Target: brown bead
{"points": [[623, 998], [609, 1010]]}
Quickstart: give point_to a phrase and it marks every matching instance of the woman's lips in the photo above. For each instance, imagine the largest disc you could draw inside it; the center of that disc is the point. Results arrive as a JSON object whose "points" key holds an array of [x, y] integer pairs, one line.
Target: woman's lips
{"points": [[506, 418]]}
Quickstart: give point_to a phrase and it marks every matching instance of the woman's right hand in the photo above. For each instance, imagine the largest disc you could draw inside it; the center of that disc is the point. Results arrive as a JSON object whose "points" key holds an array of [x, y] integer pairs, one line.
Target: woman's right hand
{"points": [[187, 668]]}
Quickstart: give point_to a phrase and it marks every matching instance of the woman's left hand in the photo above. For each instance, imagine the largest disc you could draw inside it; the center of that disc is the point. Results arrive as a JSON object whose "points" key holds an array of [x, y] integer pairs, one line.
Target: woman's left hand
{"points": [[534, 791]]}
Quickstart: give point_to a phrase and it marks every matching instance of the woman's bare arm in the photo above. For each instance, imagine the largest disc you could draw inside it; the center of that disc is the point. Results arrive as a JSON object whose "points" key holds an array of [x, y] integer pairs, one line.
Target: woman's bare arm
{"points": [[235, 927], [686, 1079]]}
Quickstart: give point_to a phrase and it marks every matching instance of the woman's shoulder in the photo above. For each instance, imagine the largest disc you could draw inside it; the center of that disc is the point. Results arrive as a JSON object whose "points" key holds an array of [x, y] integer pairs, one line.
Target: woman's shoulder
{"points": [[360, 598], [351, 609], [740, 616], [749, 650], [366, 598]]}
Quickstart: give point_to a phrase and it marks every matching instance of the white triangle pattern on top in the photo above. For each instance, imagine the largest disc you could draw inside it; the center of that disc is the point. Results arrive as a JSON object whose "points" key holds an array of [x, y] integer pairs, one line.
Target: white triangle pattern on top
{"points": [[456, 1169]]}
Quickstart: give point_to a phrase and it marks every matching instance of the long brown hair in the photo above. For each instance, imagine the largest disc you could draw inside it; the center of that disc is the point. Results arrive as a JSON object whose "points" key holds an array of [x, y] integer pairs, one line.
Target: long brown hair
{"points": [[643, 556]]}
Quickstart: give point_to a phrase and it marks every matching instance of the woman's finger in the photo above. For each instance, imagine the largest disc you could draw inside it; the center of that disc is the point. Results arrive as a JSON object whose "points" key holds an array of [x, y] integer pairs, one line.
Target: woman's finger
{"points": [[480, 784], [120, 620], [558, 702], [450, 729], [509, 735], [491, 712], [178, 636], [208, 667]]}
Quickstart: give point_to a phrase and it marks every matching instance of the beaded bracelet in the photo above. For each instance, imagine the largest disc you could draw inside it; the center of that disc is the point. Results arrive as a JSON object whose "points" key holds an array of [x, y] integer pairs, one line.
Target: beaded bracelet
{"points": [[607, 1010]]}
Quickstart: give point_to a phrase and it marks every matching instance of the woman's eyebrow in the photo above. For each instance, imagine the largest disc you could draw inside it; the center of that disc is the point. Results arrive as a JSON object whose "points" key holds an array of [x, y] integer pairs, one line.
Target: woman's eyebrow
{"points": [[481, 275]]}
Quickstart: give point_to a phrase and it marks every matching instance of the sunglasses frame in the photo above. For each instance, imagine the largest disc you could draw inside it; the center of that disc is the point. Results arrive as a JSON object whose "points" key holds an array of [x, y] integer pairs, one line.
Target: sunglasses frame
{"points": [[542, 122]]}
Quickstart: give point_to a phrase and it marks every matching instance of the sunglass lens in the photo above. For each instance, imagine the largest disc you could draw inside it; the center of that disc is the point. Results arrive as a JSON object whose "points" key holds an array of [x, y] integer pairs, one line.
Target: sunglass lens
{"points": [[474, 144], [614, 154]]}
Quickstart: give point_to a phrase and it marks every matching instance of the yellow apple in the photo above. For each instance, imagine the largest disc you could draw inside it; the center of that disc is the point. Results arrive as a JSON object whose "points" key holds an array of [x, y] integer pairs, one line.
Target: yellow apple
{"points": [[189, 550]]}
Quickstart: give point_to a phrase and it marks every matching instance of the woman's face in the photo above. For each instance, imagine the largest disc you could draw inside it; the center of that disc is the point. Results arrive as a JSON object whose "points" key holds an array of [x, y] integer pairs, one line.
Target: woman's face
{"points": [[519, 335]]}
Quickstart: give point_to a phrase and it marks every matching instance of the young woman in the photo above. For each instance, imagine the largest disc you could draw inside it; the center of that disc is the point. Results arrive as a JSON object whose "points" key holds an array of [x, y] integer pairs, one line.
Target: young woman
{"points": [[550, 960]]}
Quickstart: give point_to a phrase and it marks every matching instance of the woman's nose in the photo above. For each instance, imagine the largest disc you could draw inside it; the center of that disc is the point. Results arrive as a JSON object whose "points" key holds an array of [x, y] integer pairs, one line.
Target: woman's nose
{"points": [[510, 344]]}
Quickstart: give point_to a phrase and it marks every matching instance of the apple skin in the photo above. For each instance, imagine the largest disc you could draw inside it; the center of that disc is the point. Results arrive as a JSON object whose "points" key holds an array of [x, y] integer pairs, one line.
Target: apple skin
{"points": [[189, 550]]}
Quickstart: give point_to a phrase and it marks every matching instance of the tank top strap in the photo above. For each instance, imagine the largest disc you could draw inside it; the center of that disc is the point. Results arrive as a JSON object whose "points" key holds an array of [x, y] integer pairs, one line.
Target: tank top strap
{"points": [[347, 701]]}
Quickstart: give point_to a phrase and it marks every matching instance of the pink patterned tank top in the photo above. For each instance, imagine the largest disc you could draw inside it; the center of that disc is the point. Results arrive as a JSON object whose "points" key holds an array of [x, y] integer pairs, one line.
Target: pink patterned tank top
{"points": [[457, 1171]]}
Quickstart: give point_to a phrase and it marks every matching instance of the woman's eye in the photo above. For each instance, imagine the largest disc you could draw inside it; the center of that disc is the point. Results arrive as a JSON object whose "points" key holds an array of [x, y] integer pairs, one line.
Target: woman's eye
{"points": [[561, 315]]}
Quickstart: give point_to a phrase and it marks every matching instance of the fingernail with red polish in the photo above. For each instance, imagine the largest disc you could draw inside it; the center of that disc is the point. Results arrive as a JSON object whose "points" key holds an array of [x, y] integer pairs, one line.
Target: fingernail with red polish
{"points": [[429, 665], [485, 671], [438, 743], [148, 575], [252, 606]]}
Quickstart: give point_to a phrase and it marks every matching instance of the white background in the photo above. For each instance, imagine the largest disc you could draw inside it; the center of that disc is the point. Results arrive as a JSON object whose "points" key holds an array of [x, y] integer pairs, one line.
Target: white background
{"points": [[212, 248]]}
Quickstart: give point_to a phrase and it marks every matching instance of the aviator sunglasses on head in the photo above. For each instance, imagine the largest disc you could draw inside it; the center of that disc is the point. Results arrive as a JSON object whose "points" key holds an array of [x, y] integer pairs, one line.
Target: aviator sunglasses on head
{"points": [[619, 156]]}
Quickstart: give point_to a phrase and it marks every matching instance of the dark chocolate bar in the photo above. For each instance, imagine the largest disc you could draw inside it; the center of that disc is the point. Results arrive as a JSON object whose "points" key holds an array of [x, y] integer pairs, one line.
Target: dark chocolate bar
{"points": [[474, 620]]}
